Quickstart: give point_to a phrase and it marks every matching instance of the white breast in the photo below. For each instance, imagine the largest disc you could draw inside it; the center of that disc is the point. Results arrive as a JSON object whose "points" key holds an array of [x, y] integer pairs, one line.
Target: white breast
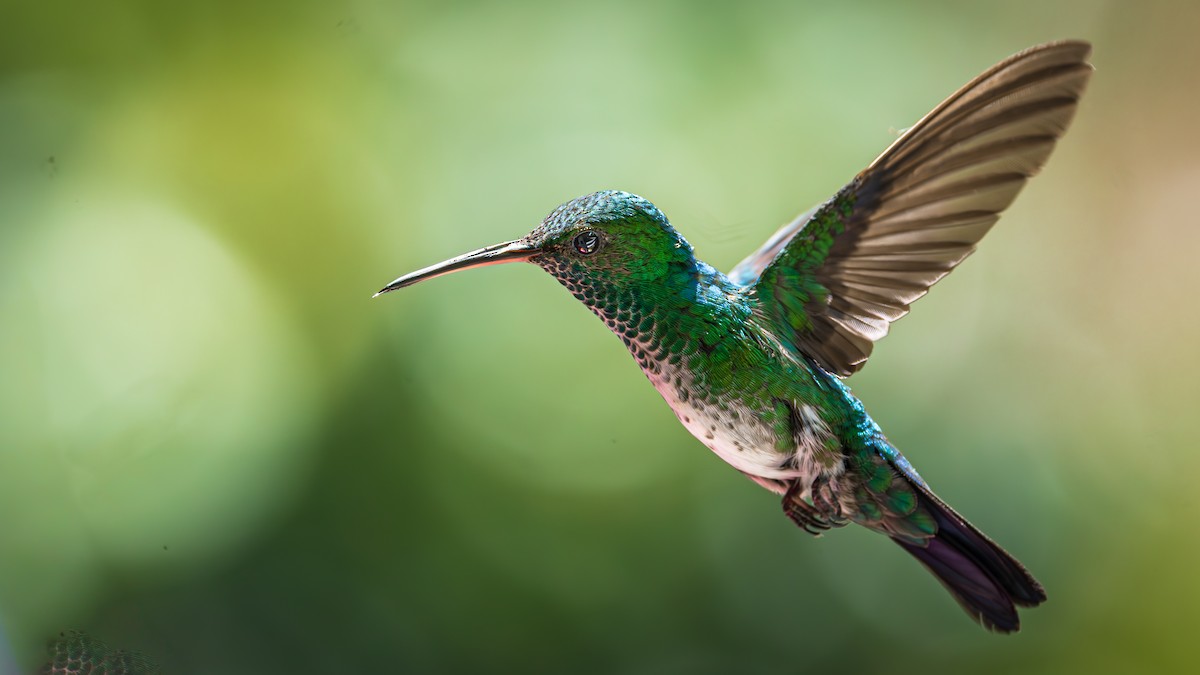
{"points": [[748, 444]]}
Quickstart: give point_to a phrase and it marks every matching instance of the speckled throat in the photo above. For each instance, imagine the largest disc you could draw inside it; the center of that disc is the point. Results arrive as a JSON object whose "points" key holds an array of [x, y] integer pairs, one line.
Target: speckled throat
{"points": [[651, 318]]}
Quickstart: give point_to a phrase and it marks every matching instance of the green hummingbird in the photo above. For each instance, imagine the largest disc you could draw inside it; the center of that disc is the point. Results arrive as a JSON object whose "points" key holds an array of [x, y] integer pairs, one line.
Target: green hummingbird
{"points": [[751, 361]]}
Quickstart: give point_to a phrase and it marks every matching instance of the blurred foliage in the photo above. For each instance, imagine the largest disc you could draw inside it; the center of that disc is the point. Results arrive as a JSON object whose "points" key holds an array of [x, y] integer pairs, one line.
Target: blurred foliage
{"points": [[216, 449]]}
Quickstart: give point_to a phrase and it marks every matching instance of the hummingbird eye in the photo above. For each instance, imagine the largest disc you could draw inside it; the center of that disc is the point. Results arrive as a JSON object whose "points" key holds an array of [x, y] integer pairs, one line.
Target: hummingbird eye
{"points": [[586, 242]]}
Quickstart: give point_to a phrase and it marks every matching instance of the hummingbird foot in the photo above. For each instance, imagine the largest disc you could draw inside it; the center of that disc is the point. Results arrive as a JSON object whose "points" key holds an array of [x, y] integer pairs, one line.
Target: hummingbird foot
{"points": [[816, 511]]}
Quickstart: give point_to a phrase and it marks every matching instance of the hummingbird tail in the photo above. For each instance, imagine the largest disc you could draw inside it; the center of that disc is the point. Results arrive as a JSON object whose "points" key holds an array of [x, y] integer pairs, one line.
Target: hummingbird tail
{"points": [[985, 580]]}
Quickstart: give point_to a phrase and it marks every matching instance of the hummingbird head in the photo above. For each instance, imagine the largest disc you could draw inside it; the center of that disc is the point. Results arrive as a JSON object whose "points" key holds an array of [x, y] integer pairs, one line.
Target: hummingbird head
{"points": [[609, 238], [593, 245]]}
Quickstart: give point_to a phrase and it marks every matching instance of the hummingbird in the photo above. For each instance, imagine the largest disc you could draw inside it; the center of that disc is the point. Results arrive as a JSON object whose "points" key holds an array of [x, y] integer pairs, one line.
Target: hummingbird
{"points": [[752, 362]]}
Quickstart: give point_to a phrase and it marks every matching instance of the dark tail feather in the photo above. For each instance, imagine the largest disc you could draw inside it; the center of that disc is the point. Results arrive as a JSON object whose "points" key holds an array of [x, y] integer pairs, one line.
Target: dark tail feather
{"points": [[987, 582]]}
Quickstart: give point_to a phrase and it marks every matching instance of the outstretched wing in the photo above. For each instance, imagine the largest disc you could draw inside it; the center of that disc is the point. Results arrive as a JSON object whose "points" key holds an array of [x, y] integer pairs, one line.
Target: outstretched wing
{"points": [[831, 282]]}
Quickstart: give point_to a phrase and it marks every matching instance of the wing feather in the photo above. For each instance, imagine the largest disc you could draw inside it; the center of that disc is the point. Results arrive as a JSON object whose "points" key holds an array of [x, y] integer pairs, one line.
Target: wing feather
{"points": [[832, 281]]}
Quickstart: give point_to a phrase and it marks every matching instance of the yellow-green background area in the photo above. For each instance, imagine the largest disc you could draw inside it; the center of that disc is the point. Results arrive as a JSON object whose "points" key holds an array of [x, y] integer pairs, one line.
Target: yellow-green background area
{"points": [[217, 449]]}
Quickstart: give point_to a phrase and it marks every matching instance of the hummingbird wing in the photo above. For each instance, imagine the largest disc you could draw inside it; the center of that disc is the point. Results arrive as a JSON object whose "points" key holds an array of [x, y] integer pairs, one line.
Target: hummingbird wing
{"points": [[831, 282]]}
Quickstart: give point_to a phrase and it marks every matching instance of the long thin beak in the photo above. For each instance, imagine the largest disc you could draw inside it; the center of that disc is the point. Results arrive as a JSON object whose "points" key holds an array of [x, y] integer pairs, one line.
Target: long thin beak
{"points": [[509, 251]]}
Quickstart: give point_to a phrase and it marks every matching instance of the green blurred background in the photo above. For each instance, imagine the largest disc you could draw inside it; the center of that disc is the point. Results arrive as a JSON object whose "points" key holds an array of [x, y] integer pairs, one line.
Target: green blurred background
{"points": [[215, 448]]}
